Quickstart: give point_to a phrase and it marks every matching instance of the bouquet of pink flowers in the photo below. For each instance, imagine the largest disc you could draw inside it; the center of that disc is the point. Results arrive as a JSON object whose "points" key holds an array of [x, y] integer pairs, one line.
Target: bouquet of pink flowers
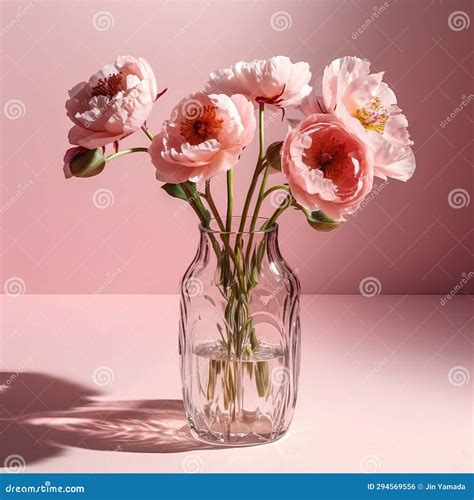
{"points": [[344, 136], [348, 134]]}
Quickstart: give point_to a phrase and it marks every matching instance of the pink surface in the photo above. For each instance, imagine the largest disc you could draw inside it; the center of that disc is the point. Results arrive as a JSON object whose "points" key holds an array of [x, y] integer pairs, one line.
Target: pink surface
{"points": [[385, 386], [54, 239]]}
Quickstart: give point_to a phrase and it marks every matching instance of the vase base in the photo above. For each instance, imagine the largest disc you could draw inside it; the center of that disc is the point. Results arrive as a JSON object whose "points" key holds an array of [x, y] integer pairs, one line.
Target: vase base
{"points": [[236, 439]]}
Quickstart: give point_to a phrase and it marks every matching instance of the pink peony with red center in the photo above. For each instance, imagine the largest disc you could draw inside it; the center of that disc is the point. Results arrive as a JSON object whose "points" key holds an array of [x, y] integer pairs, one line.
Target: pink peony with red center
{"points": [[112, 104], [204, 136], [368, 106], [327, 166]]}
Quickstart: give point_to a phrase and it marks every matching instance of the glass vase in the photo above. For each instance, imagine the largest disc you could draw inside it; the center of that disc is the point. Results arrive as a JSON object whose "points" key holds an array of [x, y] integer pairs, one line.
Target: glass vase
{"points": [[239, 339]]}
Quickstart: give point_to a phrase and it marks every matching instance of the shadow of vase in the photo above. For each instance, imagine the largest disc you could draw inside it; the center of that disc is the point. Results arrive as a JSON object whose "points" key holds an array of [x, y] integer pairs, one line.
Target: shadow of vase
{"points": [[41, 415]]}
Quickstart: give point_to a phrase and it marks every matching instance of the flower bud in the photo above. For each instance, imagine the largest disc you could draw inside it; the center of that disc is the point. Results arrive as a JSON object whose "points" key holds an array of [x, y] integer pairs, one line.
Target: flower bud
{"points": [[273, 155], [82, 162]]}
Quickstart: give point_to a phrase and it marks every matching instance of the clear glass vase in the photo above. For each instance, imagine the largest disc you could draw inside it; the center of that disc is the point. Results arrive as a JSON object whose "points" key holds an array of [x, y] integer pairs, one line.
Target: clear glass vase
{"points": [[239, 337]]}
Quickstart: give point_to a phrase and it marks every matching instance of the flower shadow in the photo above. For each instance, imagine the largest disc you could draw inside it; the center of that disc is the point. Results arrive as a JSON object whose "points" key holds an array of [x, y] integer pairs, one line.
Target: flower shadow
{"points": [[145, 426], [42, 415]]}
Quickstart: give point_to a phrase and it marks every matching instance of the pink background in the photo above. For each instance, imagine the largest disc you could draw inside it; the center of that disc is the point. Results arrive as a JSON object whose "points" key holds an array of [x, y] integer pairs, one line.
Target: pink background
{"points": [[56, 241]]}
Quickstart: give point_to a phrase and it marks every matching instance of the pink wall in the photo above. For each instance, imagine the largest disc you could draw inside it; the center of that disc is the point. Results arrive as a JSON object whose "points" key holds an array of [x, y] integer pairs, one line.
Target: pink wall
{"points": [[55, 240]]}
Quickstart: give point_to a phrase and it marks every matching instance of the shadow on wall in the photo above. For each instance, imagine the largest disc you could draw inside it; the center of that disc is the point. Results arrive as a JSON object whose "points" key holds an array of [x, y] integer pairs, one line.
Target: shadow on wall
{"points": [[41, 415]]}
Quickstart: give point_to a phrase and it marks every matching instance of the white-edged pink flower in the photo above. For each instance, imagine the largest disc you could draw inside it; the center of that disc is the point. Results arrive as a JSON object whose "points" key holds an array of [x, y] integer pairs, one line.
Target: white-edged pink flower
{"points": [[275, 81], [327, 166], [368, 106], [204, 136], [113, 103]]}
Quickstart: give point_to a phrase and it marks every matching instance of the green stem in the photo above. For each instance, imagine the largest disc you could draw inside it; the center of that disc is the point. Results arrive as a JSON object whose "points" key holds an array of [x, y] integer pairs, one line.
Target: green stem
{"points": [[210, 200], [126, 152], [230, 199], [147, 132], [260, 162], [275, 188], [283, 206]]}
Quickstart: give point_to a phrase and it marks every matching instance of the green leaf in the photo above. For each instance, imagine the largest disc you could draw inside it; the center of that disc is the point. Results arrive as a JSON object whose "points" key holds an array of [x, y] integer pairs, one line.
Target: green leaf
{"points": [[320, 221], [273, 155], [175, 190], [90, 163]]}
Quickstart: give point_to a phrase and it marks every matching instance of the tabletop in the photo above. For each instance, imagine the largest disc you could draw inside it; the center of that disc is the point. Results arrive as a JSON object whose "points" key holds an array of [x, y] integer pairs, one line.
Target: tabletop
{"points": [[90, 383]]}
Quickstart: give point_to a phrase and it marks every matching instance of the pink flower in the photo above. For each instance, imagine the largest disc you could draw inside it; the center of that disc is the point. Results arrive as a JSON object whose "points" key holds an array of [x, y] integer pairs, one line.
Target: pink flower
{"points": [[368, 106], [327, 166], [114, 103], [275, 81], [204, 136]]}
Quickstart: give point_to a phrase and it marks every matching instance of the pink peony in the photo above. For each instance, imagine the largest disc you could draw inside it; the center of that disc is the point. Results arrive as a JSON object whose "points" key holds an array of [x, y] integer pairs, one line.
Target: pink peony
{"points": [[114, 103], [204, 136], [368, 107], [275, 81], [327, 166]]}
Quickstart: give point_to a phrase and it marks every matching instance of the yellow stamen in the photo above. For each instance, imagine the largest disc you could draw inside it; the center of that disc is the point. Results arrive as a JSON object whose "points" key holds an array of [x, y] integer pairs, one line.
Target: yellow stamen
{"points": [[373, 116]]}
